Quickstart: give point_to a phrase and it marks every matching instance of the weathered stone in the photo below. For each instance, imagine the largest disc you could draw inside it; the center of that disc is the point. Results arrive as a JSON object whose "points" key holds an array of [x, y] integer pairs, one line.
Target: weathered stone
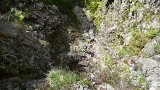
{"points": [[148, 49], [151, 69]]}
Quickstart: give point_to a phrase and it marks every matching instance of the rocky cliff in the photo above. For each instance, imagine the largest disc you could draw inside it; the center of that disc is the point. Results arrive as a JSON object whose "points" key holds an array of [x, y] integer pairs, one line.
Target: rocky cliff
{"points": [[85, 45]]}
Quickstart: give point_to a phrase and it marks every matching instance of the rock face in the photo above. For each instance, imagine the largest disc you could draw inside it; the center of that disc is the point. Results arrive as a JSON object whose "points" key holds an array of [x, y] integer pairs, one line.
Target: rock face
{"points": [[22, 53]]}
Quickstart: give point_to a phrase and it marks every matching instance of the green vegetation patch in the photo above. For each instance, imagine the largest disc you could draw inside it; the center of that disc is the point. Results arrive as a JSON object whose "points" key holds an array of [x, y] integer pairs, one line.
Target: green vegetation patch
{"points": [[138, 40], [152, 33], [93, 4], [17, 15], [61, 79]]}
